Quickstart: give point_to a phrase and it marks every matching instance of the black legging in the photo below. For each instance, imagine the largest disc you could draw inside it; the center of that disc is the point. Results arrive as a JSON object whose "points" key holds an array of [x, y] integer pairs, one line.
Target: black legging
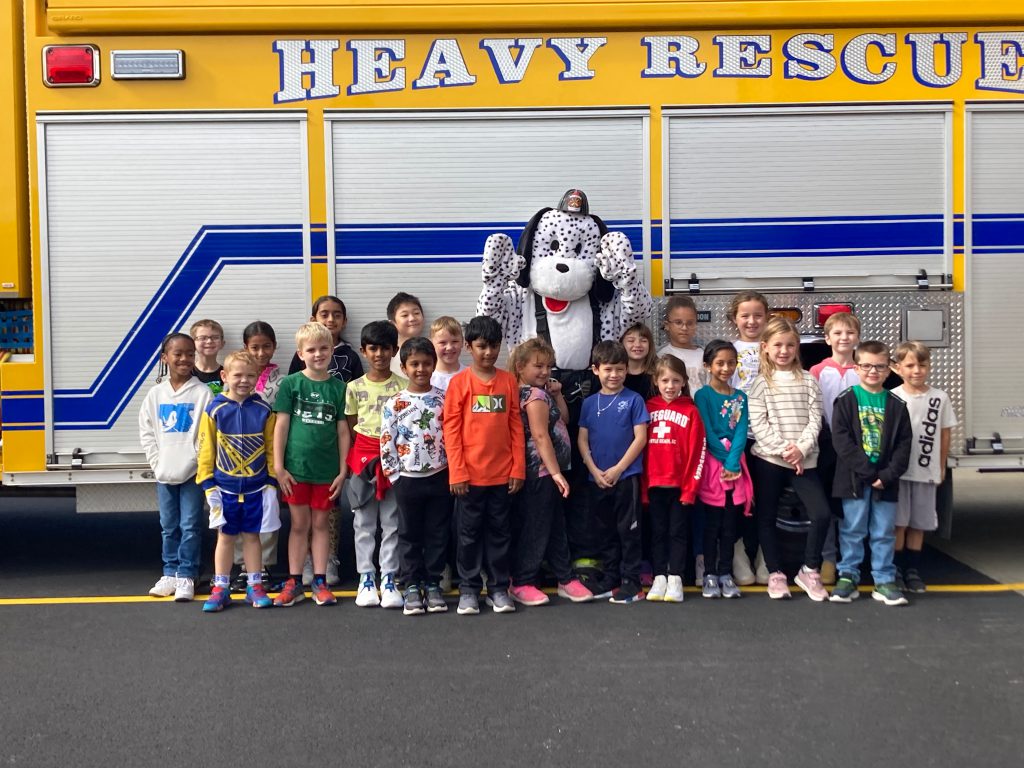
{"points": [[720, 536], [770, 480]]}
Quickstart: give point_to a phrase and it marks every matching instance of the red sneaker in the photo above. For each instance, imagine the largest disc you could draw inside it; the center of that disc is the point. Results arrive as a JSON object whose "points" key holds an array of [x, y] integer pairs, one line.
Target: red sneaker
{"points": [[575, 591], [291, 593], [527, 594]]}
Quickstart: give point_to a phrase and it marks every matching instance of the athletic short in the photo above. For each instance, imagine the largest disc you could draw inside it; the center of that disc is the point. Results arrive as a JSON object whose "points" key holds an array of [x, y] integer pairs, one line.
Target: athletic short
{"points": [[256, 512], [313, 495], [916, 507]]}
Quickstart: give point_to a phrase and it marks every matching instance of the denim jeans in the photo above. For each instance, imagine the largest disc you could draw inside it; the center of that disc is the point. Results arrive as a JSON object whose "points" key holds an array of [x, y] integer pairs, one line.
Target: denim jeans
{"points": [[181, 524], [875, 519]]}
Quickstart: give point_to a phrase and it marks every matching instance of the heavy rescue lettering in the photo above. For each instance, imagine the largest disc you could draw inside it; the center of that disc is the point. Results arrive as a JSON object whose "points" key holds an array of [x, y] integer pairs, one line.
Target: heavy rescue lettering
{"points": [[936, 60]]}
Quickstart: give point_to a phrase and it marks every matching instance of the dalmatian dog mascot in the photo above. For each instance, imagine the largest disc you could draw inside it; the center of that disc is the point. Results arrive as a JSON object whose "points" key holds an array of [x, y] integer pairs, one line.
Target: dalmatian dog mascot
{"points": [[570, 281]]}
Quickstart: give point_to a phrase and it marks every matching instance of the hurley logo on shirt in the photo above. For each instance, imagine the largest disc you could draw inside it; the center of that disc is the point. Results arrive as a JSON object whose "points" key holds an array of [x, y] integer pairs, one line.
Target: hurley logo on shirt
{"points": [[489, 404]]}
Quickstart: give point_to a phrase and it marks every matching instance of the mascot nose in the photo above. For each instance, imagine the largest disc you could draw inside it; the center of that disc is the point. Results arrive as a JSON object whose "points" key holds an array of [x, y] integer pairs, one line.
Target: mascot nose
{"points": [[563, 268]]}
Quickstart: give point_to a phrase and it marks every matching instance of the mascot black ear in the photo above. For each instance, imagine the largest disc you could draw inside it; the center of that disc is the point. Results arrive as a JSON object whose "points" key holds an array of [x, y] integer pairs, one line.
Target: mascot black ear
{"points": [[601, 290], [525, 247]]}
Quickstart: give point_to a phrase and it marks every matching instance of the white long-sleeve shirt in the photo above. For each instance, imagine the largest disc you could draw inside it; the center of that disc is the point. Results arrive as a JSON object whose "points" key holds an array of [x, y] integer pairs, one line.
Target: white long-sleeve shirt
{"points": [[787, 412]]}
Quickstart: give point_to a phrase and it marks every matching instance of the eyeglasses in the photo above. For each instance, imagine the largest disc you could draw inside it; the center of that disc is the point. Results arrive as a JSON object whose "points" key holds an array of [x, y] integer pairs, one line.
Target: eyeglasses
{"points": [[208, 338], [877, 367], [683, 323]]}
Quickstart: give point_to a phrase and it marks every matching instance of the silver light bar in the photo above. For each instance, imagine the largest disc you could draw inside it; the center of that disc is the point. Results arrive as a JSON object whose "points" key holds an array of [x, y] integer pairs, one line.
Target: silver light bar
{"points": [[147, 65]]}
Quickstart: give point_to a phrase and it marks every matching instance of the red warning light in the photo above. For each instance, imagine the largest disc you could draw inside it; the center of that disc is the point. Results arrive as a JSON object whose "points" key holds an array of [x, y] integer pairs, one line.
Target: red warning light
{"points": [[71, 65]]}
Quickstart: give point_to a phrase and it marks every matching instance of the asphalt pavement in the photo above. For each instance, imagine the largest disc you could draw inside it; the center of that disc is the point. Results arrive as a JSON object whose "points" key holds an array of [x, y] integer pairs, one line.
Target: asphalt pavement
{"points": [[713, 683]]}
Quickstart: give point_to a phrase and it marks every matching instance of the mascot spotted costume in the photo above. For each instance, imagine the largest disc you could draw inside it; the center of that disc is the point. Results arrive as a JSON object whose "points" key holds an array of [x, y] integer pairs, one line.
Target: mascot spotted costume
{"points": [[573, 283]]}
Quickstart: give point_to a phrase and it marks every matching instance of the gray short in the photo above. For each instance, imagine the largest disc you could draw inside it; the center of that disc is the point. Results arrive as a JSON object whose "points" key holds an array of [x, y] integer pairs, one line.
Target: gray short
{"points": [[916, 508]]}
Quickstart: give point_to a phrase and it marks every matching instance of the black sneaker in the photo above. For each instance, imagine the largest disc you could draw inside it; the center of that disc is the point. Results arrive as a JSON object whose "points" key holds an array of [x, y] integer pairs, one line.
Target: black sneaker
{"points": [[889, 594], [914, 583], [627, 593], [413, 601], [845, 590], [435, 599], [240, 582], [900, 584]]}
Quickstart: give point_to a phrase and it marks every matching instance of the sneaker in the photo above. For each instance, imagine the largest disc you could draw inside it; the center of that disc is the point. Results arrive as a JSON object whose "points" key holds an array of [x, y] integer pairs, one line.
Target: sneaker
{"points": [[900, 584], [627, 593], [322, 594], [468, 605], [307, 571], [390, 597], [575, 591], [845, 590], [657, 591], [333, 566], [241, 582], [164, 587], [741, 569], [413, 602], [729, 588], [500, 602], [257, 597], [828, 573], [914, 583], [291, 593], [778, 586], [674, 592], [810, 582], [889, 594], [219, 599], [184, 589], [435, 599], [446, 579], [528, 594], [711, 588], [367, 596], [698, 570], [761, 575]]}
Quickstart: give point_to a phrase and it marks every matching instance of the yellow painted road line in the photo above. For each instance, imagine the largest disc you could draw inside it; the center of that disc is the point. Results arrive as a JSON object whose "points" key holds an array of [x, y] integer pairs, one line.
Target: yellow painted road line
{"points": [[239, 597]]}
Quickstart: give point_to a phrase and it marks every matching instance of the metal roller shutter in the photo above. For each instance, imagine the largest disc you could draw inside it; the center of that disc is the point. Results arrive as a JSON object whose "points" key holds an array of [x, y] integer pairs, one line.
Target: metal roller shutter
{"points": [[151, 222], [416, 195]]}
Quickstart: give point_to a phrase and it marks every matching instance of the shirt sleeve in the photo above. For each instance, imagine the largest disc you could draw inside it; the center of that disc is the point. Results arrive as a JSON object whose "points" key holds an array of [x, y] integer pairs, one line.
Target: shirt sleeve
{"points": [[389, 461], [768, 439], [739, 436], [351, 407], [640, 412], [808, 440], [285, 397], [694, 465], [207, 451], [518, 434], [454, 405], [948, 417]]}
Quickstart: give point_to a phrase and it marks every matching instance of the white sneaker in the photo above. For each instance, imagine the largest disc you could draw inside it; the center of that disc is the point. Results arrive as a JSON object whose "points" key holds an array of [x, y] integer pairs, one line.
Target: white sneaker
{"points": [[307, 571], [390, 597], [742, 573], [674, 592], [164, 587], [656, 593], [698, 570], [333, 577], [760, 569], [367, 596], [184, 590]]}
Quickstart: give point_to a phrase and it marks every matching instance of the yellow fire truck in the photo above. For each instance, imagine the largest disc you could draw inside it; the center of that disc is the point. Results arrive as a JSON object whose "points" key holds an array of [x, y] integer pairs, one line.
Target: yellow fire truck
{"points": [[167, 160]]}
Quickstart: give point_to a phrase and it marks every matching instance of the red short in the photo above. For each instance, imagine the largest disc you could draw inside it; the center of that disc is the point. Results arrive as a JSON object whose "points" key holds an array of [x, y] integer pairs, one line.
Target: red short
{"points": [[313, 495]]}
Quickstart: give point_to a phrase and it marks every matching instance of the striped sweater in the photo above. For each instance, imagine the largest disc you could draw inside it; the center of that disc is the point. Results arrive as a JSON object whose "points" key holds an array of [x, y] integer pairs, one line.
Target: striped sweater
{"points": [[788, 411]]}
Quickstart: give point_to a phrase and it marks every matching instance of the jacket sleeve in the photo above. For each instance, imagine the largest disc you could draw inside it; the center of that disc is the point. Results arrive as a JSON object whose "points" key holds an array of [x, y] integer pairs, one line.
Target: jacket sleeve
{"points": [[453, 416], [847, 442], [739, 436], [808, 440], [769, 441], [268, 446], [899, 460], [518, 434], [707, 416], [694, 464], [389, 461], [207, 452], [147, 431]]}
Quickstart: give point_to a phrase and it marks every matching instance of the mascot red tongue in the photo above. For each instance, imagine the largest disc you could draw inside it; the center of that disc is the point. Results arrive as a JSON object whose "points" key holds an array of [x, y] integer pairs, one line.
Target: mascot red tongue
{"points": [[555, 305]]}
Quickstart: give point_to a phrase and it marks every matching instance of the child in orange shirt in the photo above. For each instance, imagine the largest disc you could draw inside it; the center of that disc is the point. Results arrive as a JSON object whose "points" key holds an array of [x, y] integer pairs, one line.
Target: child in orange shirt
{"points": [[484, 438]]}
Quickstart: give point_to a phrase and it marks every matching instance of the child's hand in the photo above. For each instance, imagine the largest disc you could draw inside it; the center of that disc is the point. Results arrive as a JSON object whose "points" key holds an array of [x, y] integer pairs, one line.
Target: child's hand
{"points": [[611, 476], [458, 489], [798, 467], [285, 481], [336, 485], [515, 485], [878, 485], [562, 484], [792, 455], [554, 386], [727, 475]]}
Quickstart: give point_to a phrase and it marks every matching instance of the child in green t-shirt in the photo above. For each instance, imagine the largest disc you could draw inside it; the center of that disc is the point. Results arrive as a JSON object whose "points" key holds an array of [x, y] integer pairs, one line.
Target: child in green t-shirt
{"points": [[311, 443]]}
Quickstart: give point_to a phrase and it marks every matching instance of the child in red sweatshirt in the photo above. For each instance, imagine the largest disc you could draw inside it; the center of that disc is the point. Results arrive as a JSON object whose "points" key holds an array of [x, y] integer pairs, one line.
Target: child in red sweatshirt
{"points": [[675, 457]]}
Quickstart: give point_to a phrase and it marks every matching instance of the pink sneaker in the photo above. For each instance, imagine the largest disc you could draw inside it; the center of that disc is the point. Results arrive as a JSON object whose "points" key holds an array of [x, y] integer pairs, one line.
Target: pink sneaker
{"points": [[575, 591], [529, 595], [778, 586], [810, 582]]}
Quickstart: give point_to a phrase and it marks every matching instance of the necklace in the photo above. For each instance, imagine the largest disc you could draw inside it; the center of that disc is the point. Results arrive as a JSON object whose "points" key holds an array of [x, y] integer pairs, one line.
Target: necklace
{"points": [[601, 410]]}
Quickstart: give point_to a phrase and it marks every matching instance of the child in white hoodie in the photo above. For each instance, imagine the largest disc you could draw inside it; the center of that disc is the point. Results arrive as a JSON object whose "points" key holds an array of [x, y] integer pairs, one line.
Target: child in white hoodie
{"points": [[168, 431]]}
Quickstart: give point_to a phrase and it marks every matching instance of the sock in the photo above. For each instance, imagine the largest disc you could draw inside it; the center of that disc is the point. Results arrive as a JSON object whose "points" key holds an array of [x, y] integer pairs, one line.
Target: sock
{"points": [[912, 559], [255, 578], [222, 580], [296, 577], [899, 559], [319, 577]]}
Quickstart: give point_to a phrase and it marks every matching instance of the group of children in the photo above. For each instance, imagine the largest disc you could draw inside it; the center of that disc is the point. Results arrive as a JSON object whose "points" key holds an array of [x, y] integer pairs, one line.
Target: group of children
{"points": [[470, 465]]}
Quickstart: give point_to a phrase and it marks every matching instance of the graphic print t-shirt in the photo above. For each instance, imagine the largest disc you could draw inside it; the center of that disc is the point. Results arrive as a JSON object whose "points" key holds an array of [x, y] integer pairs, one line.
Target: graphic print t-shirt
{"points": [[365, 399], [311, 453], [871, 413], [930, 413]]}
